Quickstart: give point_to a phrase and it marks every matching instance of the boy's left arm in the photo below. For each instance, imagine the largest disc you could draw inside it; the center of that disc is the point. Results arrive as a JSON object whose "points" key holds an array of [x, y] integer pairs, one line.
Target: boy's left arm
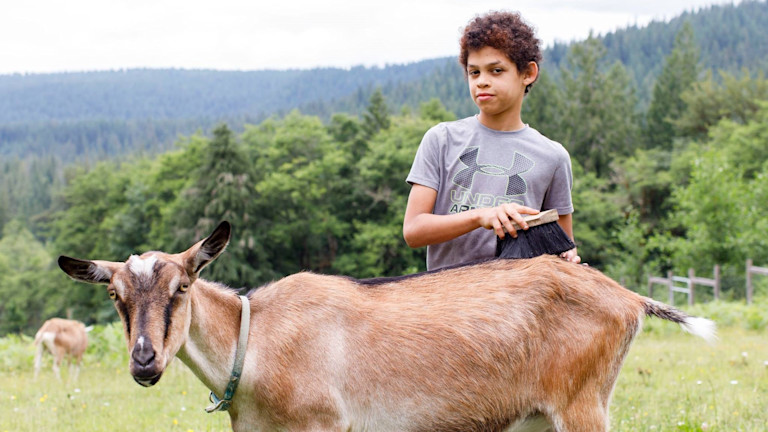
{"points": [[566, 223]]}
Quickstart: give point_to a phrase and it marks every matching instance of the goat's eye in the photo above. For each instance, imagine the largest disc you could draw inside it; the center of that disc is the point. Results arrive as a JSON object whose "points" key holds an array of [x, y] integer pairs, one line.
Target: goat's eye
{"points": [[183, 287], [112, 294]]}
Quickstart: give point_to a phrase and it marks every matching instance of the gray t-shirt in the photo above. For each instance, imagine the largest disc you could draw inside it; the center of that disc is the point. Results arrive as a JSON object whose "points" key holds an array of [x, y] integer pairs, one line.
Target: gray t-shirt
{"points": [[470, 166]]}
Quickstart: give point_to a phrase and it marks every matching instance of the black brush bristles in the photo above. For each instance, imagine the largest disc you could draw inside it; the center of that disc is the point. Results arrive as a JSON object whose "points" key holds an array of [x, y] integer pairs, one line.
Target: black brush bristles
{"points": [[543, 236]]}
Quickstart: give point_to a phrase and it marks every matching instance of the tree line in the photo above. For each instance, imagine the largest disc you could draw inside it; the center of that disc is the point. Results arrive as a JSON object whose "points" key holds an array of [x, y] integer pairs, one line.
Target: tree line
{"points": [[681, 184]]}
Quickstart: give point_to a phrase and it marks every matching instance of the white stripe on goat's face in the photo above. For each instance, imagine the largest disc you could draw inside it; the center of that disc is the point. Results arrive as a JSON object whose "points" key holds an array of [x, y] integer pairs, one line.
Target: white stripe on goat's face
{"points": [[154, 311], [142, 267]]}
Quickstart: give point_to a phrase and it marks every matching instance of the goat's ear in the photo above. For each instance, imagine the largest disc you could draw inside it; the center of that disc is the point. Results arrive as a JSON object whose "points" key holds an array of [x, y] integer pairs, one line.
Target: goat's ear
{"points": [[206, 250], [97, 272]]}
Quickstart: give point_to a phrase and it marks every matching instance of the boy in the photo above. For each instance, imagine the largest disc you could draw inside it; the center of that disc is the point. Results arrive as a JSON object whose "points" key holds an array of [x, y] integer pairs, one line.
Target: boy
{"points": [[489, 169]]}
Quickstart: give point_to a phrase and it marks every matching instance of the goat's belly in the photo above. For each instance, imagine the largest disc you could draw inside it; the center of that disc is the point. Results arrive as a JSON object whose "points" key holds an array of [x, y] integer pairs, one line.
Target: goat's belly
{"points": [[381, 421], [531, 424]]}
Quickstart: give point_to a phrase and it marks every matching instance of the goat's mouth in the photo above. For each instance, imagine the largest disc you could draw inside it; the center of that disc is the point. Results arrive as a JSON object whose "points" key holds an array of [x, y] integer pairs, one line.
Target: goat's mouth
{"points": [[147, 381]]}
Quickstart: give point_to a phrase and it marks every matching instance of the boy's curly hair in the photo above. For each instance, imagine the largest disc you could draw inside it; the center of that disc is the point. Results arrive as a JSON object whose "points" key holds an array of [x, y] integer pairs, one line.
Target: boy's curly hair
{"points": [[504, 31]]}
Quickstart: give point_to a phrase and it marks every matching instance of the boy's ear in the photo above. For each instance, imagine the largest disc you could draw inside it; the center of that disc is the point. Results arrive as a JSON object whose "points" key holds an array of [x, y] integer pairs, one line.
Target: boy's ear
{"points": [[531, 73]]}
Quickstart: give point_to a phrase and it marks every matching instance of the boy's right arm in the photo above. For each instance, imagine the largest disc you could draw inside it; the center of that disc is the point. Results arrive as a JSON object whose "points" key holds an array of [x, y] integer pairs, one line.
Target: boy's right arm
{"points": [[422, 228]]}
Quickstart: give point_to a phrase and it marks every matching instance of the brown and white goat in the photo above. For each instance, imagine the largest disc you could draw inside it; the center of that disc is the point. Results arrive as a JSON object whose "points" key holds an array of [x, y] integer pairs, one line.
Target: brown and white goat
{"points": [[64, 339], [502, 345]]}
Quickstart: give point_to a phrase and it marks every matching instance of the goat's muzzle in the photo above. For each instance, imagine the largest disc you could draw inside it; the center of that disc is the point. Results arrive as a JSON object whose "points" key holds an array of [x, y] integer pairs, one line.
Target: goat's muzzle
{"points": [[144, 368]]}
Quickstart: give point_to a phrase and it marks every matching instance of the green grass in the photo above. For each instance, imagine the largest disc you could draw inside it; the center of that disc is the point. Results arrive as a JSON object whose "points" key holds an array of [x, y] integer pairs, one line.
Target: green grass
{"points": [[671, 381], [106, 399]]}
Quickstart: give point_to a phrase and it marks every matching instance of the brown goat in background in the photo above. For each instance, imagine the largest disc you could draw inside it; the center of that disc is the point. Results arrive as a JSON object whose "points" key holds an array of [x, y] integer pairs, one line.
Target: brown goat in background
{"points": [[63, 339]]}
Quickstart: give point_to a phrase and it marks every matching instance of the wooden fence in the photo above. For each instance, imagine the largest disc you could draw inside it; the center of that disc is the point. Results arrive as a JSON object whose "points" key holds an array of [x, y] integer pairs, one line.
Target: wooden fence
{"points": [[753, 270], [685, 285]]}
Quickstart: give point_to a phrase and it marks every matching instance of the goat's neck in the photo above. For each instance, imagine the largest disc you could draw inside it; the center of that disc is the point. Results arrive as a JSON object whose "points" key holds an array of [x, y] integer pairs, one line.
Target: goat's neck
{"points": [[209, 349]]}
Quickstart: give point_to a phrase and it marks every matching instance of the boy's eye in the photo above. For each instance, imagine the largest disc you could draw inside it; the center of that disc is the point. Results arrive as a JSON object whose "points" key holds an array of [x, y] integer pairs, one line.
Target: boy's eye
{"points": [[498, 70]]}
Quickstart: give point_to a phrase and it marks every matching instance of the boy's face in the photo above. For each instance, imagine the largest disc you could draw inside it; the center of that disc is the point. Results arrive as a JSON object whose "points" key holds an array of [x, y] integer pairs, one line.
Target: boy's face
{"points": [[495, 84]]}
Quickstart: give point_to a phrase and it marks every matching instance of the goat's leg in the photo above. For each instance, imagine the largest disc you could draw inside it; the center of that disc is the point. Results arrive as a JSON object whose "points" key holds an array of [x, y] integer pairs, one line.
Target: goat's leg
{"points": [[57, 357], [583, 416], [74, 369], [38, 358]]}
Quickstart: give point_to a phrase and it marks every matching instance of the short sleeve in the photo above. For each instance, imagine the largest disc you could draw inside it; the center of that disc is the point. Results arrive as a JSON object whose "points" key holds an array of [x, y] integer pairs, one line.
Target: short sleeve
{"points": [[559, 195], [426, 164]]}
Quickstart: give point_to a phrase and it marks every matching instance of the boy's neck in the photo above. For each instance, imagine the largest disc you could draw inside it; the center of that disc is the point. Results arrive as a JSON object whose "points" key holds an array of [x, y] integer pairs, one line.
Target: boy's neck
{"points": [[503, 123]]}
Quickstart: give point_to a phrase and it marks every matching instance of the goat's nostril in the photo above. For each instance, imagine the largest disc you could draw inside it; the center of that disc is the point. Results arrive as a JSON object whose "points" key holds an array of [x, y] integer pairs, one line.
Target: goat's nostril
{"points": [[143, 354]]}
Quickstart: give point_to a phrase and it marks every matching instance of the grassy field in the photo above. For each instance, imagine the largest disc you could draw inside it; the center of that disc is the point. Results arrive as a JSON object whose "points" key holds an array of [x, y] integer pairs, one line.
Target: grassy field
{"points": [[674, 382], [671, 381], [106, 399]]}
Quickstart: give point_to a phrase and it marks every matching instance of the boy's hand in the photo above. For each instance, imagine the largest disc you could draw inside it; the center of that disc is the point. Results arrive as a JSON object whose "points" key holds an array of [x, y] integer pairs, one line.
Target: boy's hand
{"points": [[571, 255], [501, 217]]}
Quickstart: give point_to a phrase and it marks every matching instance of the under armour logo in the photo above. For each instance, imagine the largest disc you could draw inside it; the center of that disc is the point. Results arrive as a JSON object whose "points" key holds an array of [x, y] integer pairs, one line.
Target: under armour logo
{"points": [[515, 184]]}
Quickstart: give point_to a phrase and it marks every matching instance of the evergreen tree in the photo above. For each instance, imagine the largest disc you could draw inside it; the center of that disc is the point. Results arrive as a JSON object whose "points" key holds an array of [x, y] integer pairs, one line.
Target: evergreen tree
{"points": [[348, 131], [599, 122], [679, 73], [223, 189], [376, 116]]}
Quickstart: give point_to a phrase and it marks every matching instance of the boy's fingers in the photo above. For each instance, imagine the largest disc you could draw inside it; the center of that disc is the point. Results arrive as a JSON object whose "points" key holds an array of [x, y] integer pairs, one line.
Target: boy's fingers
{"points": [[510, 228], [518, 218], [498, 229], [504, 217], [571, 256], [528, 210]]}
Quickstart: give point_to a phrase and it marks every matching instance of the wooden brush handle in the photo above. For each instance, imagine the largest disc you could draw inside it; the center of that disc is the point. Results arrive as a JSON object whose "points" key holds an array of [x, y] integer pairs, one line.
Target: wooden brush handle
{"points": [[539, 219]]}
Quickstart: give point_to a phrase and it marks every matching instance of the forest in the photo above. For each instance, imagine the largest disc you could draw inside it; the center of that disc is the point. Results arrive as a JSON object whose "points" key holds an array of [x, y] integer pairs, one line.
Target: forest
{"points": [[670, 173]]}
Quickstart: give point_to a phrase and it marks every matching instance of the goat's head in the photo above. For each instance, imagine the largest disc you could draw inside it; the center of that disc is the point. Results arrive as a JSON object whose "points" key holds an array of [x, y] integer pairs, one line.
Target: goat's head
{"points": [[152, 295]]}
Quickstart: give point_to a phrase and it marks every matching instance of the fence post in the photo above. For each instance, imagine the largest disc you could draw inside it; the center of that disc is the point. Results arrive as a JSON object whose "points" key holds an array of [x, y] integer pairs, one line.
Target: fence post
{"points": [[650, 287], [671, 283], [691, 276], [749, 281], [717, 281]]}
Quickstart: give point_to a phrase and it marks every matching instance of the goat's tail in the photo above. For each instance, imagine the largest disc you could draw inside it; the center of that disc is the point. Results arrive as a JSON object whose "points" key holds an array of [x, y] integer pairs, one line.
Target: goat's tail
{"points": [[39, 336], [697, 326]]}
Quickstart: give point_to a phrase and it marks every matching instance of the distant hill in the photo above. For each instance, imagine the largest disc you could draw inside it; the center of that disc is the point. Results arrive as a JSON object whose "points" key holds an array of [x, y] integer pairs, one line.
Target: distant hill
{"points": [[98, 114], [162, 94], [71, 114]]}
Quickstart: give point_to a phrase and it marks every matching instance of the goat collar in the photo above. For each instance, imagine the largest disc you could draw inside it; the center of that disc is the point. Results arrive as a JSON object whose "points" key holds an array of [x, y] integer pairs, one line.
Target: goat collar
{"points": [[237, 369]]}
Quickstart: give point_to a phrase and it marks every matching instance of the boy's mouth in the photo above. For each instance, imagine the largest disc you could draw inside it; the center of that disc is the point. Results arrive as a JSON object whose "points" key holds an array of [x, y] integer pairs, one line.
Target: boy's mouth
{"points": [[483, 96]]}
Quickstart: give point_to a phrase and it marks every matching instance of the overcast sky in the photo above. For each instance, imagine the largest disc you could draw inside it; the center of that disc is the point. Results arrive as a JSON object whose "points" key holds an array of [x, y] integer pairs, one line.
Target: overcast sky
{"points": [[38, 36]]}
